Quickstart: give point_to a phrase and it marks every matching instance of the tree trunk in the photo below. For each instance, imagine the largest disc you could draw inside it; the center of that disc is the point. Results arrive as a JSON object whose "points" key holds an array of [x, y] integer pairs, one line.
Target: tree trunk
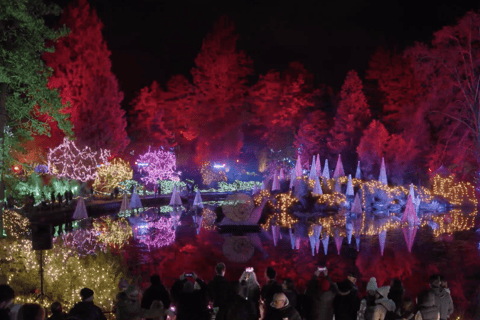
{"points": [[3, 112]]}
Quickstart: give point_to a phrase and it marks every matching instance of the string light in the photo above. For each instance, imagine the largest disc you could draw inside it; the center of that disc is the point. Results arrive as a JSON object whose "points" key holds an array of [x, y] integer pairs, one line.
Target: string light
{"points": [[159, 233], [161, 166], [281, 217], [456, 193], [209, 175], [15, 225], [111, 175], [209, 218], [65, 274], [67, 160], [113, 232]]}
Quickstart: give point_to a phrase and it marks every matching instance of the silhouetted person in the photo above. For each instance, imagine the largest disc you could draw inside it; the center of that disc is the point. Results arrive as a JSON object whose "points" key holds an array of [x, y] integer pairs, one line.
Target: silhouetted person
{"points": [[86, 310], [220, 290], [156, 292], [57, 312], [270, 289]]}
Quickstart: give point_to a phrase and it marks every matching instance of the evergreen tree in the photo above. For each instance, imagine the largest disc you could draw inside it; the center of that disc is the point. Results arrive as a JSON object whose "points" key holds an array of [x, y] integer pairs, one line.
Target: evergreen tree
{"points": [[219, 77], [311, 136], [24, 95], [351, 118], [83, 75]]}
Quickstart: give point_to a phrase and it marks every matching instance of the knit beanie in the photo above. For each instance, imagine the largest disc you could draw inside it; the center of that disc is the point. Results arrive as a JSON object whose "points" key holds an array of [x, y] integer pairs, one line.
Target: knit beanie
{"points": [[372, 284], [86, 293]]}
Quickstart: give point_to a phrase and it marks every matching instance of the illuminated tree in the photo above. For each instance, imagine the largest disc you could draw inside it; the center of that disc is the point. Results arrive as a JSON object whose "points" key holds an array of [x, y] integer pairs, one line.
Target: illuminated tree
{"points": [[158, 165], [352, 116], [158, 233], [279, 102], [82, 72], [219, 77], [24, 95], [311, 136], [399, 152], [450, 70], [112, 174], [68, 160]]}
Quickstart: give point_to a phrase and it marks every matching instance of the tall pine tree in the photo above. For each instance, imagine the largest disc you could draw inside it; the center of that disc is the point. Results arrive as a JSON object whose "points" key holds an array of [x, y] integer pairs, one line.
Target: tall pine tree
{"points": [[351, 118], [83, 75], [24, 95]]}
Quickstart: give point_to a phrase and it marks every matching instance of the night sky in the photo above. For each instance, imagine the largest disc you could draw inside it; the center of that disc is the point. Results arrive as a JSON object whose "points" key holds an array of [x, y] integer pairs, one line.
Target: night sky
{"points": [[154, 39]]}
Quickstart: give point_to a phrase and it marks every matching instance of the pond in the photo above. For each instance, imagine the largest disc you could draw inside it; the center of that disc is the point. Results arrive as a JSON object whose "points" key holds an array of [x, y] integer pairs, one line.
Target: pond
{"points": [[157, 241]]}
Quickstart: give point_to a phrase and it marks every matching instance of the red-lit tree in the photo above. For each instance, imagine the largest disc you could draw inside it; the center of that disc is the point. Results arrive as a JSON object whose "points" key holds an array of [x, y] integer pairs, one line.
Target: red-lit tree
{"points": [[399, 153], [82, 73], [449, 69], [372, 148], [352, 117], [148, 123], [400, 88], [279, 102], [219, 77], [311, 136]]}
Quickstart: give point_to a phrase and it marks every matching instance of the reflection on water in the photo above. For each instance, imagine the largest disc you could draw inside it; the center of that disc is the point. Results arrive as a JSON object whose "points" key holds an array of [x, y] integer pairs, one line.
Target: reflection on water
{"points": [[171, 241]]}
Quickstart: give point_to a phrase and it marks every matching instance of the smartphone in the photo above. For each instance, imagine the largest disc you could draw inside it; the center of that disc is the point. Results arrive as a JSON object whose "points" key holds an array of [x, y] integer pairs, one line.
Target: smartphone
{"points": [[188, 274], [249, 269], [172, 308], [322, 268]]}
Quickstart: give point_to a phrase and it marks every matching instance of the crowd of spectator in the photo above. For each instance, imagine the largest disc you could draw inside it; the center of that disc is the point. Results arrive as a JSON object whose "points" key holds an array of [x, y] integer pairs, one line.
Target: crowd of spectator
{"points": [[190, 298]]}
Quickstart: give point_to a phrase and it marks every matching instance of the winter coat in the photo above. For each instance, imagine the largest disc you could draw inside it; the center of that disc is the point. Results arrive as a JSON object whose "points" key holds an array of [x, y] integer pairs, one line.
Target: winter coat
{"points": [[155, 292], [220, 291], [443, 301], [286, 312], [346, 306], [253, 295], [427, 310], [292, 297], [193, 305], [268, 291], [322, 306], [380, 309], [86, 310], [130, 309], [239, 308], [396, 294]]}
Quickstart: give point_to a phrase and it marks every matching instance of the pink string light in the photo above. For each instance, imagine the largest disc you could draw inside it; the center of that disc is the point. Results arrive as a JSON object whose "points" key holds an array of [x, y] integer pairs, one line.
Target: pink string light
{"points": [[158, 165], [68, 161], [158, 233]]}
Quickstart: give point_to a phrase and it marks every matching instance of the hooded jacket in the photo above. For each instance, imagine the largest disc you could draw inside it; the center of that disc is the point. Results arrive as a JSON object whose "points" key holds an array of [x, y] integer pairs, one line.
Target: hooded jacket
{"points": [[86, 310], [443, 301], [286, 312], [427, 309]]}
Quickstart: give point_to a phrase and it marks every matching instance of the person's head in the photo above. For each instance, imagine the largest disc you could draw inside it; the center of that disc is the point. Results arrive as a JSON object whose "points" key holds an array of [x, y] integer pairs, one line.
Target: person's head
{"points": [[352, 277], [86, 294], [155, 280], [220, 269], [443, 282], [6, 295], [397, 284], [270, 273], [372, 286], [279, 301], [31, 311], [188, 287], [435, 281], [288, 284], [56, 308], [345, 286]]}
